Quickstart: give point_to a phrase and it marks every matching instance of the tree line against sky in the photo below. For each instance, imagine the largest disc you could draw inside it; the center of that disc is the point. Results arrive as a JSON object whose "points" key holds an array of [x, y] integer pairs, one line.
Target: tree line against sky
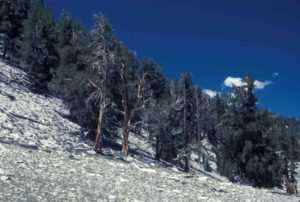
{"points": [[106, 88]]}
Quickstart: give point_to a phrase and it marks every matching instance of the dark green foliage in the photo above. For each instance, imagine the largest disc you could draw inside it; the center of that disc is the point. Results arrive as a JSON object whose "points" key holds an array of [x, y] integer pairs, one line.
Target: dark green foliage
{"points": [[12, 15], [179, 130], [252, 146], [214, 110], [38, 46], [246, 153], [156, 80], [157, 113], [131, 74], [73, 51], [162, 119], [176, 117], [188, 116], [189, 112], [207, 166], [285, 135], [156, 117]]}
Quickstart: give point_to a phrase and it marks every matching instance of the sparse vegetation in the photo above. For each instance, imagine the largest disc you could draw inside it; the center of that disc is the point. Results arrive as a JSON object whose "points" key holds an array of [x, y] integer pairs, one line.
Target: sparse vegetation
{"points": [[106, 87]]}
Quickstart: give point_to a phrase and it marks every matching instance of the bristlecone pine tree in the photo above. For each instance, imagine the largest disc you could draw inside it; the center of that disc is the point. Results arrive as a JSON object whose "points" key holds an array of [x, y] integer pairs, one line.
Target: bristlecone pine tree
{"points": [[252, 146], [102, 59], [133, 89]]}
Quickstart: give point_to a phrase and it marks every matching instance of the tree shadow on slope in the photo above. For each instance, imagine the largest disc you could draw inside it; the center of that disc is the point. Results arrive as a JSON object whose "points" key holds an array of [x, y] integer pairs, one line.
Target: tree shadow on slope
{"points": [[112, 150], [282, 193]]}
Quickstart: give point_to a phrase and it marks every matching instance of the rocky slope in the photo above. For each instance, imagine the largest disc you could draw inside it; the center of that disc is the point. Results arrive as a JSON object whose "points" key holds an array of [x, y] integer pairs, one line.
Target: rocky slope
{"points": [[44, 157]]}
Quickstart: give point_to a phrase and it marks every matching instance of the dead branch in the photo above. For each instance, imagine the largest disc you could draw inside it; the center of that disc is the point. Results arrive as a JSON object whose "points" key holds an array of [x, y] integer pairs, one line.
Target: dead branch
{"points": [[14, 115], [14, 142], [11, 97], [140, 103], [94, 85]]}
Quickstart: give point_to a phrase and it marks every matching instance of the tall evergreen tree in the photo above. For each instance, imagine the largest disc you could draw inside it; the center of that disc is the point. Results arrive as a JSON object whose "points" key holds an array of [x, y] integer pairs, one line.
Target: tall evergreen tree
{"points": [[156, 80], [157, 119], [286, 130], [246, 153], [215, 109], [157, 112], [12, 15], [176, 116], [201, 117], [73, 53], [38, 46], [182, 118], [188, 115]]}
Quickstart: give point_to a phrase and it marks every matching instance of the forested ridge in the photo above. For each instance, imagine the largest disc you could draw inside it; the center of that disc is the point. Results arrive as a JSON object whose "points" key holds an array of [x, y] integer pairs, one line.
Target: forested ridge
{"points": [[106, 87]]}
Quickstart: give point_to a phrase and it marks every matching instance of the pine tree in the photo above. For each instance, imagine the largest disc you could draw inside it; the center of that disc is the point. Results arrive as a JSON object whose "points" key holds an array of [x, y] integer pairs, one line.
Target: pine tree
{"points": [[134, 89], [215, 109], [289, 145], [182, 118], [156, 79], [73, 53], [156, 114], [38, 46], [103, 47], [198, 109], [12, 15], [188, 116], [246, 153], [157, 119], [199, 121], [176, 117]]}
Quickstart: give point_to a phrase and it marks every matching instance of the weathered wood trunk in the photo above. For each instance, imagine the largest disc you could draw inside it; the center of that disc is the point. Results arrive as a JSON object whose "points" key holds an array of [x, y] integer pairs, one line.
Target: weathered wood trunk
{"points": [[101, 40], [291, 188], [129, 111], [125, 146], [99, 132], [126, 114]]}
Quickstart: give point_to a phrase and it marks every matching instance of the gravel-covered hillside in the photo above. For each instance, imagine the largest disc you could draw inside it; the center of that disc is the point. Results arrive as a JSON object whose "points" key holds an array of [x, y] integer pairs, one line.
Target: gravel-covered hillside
{"points": [[44, 157], [31, 120]]}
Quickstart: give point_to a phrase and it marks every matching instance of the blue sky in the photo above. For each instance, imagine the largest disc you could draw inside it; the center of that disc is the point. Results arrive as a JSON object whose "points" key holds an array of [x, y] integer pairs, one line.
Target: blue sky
{"points": [[213, 39]]}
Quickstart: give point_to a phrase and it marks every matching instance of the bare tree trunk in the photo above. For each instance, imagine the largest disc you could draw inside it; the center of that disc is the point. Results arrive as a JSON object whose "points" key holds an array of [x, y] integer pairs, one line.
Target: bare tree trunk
{"points": [[186, 166], [125, 146], [198, 116], [99, 132], [125, 114], [129, 113]]}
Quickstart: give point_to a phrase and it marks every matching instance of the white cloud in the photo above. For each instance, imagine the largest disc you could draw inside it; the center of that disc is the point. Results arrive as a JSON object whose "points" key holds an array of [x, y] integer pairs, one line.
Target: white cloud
{"points": [[210, 93], [231, 82], [238, 82], [261, 85]]}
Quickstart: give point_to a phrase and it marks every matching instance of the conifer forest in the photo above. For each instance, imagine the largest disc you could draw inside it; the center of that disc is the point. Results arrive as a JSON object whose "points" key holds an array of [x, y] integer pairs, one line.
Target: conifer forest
{"points": [[108, 89]]}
